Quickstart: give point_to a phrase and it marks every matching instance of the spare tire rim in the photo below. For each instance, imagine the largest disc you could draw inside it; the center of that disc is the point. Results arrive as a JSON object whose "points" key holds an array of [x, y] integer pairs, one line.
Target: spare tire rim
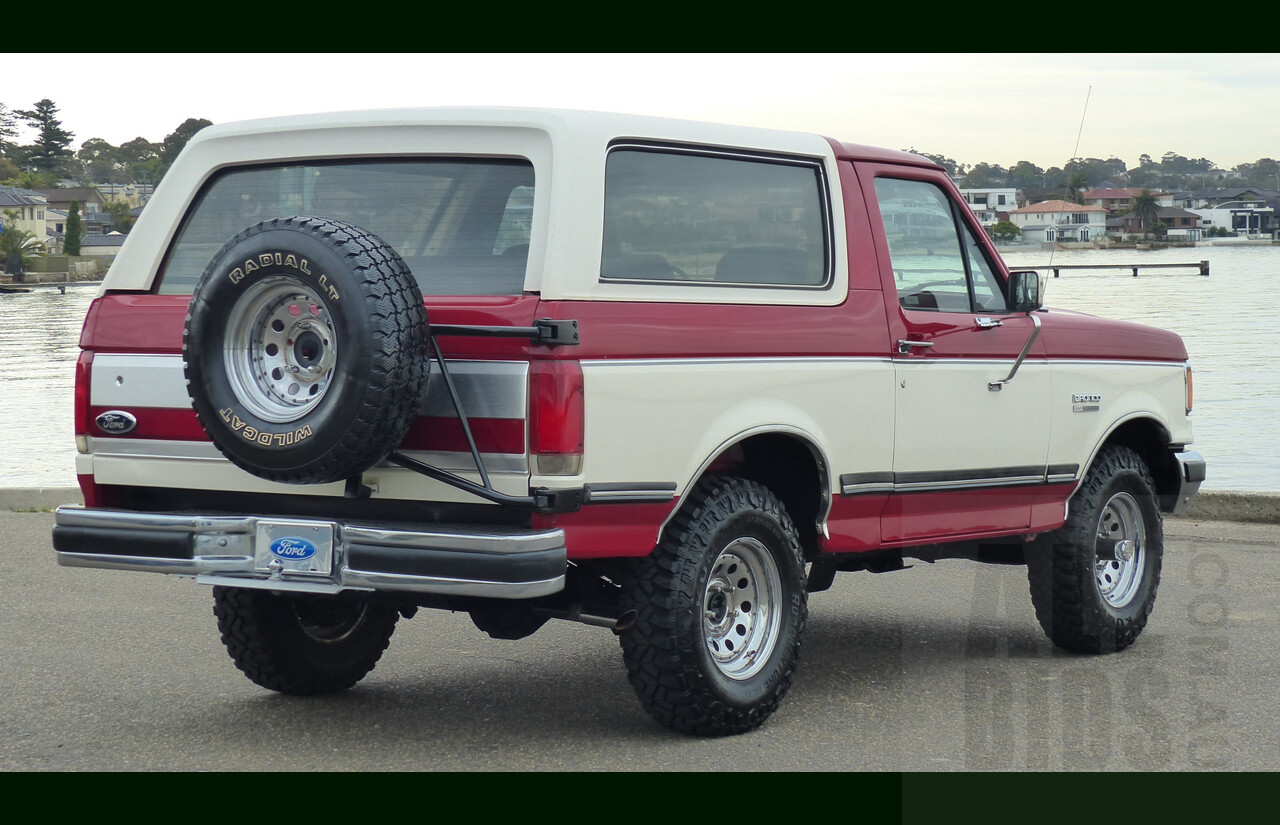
{"points": [[1120, 578], [740, 618], [280, 349]]}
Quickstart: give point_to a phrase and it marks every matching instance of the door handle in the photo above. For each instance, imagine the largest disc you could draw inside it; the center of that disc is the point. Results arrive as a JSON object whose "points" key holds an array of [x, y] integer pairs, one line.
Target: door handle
{"points": [[984, 322], [905, 346]]}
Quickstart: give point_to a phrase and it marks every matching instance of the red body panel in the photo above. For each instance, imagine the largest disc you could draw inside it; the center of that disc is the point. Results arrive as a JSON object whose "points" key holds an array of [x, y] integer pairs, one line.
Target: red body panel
{"points": [[854, 523], [623, 330], [1069, 334], [135, 323], [159, 423], [609, 530]]}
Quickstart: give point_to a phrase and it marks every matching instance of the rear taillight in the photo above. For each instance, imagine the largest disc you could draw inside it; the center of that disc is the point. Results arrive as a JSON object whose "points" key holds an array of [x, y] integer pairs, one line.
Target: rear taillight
{"points": [[84, 366], [1191, 390], [556, 420]]}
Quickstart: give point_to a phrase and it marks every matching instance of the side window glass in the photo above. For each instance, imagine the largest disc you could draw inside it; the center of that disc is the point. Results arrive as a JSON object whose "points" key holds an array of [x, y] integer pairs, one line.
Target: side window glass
{"points": [[935, 261], [928, 263], [987, 294], [684, 216]]}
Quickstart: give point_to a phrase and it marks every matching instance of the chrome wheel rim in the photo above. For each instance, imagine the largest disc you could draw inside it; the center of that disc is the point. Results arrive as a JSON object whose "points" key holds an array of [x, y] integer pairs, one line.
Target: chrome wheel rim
{"points": [[329, 621], [741, 606], [1121, 522], [280, 349]]}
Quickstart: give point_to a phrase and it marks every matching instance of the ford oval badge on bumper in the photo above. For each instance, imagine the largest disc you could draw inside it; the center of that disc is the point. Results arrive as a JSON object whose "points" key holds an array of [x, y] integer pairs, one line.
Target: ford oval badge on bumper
{"points": [[293, 547], [116, 422]]}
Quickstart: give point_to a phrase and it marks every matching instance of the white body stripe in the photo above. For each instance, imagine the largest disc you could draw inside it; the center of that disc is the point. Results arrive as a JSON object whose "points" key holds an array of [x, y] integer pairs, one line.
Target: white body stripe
{"points": [[487, 389], [152, 381], [836, 403]]}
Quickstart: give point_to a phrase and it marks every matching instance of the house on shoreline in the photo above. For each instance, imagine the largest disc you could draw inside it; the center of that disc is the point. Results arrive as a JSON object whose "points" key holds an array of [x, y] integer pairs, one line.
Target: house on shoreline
{"points": [[1060, 221], [1117, 201], [990, 206], [1248, 212], [1179, 225], [93, 212], [29, 209], [1243, 213]]}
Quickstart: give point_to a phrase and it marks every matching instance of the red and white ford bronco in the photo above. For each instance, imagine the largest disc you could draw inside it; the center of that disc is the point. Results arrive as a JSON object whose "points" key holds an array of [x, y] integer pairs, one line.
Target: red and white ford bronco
{"points": [[663, 377]]}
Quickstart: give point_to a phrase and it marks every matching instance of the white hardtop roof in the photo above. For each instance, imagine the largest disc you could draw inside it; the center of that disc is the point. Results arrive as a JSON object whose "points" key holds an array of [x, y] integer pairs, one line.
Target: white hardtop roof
{"points": [[600, 124], [568, 148]]}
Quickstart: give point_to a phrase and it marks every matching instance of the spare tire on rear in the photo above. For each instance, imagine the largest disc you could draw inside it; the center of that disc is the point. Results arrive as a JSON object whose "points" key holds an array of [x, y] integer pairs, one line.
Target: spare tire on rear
{"points": [[305, 350]]}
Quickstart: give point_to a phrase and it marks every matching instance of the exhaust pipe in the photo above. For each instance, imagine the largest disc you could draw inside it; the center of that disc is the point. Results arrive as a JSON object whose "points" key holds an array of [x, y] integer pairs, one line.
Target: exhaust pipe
{"points": [[575, 614]]}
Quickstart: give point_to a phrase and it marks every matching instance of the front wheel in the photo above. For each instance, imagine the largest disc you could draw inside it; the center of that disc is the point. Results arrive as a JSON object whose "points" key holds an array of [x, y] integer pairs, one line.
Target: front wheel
{"points": [[1094, 581], [302, 645], [720, 610]]}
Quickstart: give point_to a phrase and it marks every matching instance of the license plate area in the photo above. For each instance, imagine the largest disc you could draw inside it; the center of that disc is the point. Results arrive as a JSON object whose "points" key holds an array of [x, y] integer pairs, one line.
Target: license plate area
{"points": [[293, 548]]}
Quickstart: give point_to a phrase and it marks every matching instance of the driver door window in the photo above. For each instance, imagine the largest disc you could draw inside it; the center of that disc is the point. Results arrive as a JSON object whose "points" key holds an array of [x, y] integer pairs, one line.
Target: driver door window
{"points": [[938, 264]]}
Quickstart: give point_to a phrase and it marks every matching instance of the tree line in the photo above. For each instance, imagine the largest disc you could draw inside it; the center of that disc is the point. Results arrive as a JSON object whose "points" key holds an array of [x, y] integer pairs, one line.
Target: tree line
{"points": [[1172, 172], [50, 159]]}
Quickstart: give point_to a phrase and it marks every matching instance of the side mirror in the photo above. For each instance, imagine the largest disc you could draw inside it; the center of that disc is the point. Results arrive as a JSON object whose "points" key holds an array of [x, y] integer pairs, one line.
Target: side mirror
{"points": [[1024, 291]]}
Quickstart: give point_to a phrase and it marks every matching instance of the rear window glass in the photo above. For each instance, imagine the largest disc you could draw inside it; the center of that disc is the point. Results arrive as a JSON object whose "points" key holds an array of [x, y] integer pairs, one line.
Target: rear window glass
{"points": [[462, 226], [723, 219]]}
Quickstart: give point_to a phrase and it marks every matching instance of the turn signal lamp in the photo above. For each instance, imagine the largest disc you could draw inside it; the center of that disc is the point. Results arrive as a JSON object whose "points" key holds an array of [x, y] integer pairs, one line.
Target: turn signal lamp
{"points": [[556, 419], [84, 365]]}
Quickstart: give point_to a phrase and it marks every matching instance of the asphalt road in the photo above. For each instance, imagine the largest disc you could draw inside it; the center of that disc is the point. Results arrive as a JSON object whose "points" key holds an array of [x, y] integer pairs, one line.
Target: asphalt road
{"points": [[937, 668]]}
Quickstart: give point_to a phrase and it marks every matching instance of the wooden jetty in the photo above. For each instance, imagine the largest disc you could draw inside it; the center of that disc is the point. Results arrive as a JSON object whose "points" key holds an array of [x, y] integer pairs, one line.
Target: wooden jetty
{"points": [[1201, 266]]}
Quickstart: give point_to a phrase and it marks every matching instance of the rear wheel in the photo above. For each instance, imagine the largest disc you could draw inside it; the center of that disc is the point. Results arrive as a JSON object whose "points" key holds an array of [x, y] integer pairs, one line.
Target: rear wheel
{"points": [[720, 611], [1094, 581], [302, 644]]}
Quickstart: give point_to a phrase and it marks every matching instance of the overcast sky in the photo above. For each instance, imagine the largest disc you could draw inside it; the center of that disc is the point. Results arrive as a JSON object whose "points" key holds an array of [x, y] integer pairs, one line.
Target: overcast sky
{"points": [[998, 108]]}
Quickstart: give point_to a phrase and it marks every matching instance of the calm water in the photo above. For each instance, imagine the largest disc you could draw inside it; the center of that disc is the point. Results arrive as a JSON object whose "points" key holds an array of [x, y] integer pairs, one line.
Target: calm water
{"points": [[1234, 348], [39, 334]]}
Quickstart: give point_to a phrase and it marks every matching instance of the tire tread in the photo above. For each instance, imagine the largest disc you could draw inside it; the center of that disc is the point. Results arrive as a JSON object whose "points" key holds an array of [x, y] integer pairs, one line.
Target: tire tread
{"points": [[1060, 567], [262, 643], [660, 651]]}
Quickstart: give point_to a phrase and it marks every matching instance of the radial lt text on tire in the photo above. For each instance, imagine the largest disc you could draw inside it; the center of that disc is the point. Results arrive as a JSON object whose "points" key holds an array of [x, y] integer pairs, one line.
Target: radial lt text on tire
{"points": [[305, 350]]}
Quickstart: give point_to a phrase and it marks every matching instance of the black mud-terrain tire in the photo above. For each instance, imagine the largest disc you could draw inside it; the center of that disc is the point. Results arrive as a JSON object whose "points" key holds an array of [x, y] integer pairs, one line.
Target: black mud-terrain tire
{"points": [[302, 645], [720, 609], [305, 350], [1085, 600]]}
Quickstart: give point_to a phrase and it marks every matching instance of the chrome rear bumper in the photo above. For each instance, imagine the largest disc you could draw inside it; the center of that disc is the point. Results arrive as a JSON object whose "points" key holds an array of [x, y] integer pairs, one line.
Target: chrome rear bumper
{"points": [[315, 555]]}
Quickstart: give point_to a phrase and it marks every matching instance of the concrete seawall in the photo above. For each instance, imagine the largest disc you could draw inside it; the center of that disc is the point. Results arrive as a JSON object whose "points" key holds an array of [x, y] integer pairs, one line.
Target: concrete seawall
{"points": [[1256, 508]]}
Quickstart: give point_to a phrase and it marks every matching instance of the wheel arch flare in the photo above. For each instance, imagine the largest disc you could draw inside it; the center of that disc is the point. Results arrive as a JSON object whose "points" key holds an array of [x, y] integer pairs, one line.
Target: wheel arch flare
{"points": [[786, 460]]}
